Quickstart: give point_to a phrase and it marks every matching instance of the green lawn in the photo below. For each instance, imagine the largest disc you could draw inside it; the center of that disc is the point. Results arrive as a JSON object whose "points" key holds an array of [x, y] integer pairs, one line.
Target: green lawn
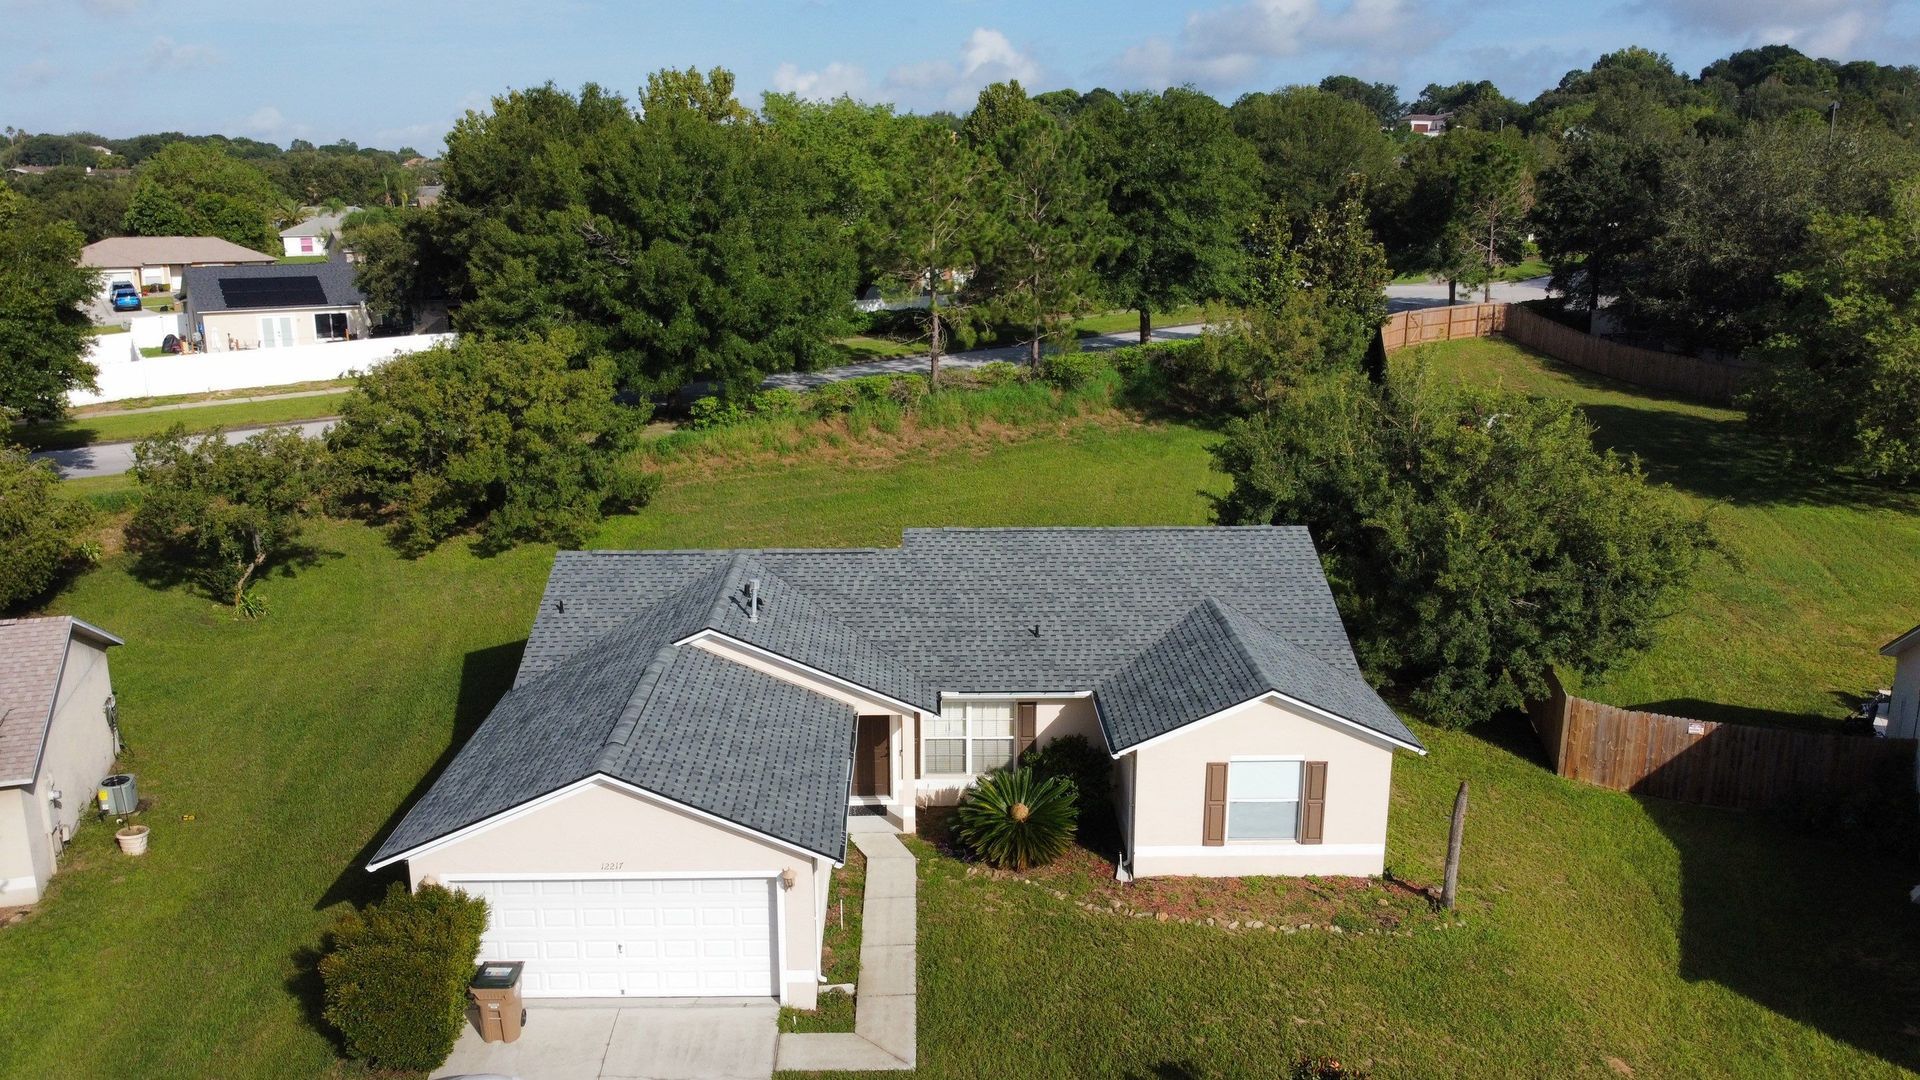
{"points": [[1816, 574], [861, 348], [159, 302], [85, 431], [102, 331], [1595, 928], [296, 260]]}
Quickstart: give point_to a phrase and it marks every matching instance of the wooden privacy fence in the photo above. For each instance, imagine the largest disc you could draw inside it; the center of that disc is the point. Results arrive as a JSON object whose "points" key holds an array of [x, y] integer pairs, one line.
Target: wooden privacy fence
{"points": [[1712, 381], [1442, 324], [1700, 761]]}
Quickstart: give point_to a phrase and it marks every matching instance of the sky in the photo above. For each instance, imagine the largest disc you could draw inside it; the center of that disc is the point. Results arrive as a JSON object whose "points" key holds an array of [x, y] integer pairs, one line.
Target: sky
{"points": [[399, 73]]}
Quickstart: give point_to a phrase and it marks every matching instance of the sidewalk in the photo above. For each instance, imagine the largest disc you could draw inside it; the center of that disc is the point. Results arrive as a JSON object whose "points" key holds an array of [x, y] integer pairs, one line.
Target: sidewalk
{"points": [[886, 1007]]}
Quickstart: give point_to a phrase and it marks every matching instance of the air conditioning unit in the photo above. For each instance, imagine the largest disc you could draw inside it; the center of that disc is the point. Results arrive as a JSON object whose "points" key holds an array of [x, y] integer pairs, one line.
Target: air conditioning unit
{"points": [[119, 794]]}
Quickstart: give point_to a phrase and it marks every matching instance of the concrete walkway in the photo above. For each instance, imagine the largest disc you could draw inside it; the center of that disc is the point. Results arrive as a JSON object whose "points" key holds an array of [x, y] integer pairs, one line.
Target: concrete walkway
{"points": [[917, 363], [664, 1039], [886, 1011]]}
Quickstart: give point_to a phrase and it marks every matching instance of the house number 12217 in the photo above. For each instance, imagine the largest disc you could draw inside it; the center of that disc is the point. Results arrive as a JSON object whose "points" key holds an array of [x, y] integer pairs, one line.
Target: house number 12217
{"points": [[611, 865]]}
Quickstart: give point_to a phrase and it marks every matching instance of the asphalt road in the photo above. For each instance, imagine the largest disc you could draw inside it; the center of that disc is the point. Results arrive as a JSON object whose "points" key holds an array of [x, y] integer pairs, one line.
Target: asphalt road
{"points": [[112, 459]]}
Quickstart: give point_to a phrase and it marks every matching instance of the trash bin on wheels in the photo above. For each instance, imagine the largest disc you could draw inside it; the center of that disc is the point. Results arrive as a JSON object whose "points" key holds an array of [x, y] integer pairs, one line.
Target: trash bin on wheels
{"points": [[495, 988]]}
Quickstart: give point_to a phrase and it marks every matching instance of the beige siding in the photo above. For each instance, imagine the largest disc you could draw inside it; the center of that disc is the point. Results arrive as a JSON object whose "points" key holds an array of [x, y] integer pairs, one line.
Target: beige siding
{"points": [[601, 829], [242, 328], [1903, 712], [79, 751], [1169, 780], [1053, 718]]}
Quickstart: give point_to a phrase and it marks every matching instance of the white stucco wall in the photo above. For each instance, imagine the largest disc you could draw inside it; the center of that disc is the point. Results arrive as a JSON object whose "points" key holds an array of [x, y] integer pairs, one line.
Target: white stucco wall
{"points": [[1053, 718], [79, 751], [1169, 796], [602, 829], [242, 328]]}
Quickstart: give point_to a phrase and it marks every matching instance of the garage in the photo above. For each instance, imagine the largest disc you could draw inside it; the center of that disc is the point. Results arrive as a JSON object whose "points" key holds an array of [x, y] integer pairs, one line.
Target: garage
{"points": [[635, 936]]}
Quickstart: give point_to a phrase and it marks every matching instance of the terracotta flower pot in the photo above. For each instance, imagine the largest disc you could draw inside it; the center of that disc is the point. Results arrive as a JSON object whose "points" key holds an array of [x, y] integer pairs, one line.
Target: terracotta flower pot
{"points": [[132, 839]]}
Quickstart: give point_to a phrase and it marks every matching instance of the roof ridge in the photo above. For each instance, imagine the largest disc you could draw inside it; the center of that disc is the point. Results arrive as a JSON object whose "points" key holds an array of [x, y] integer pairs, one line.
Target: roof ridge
{"points": [[729, 584], [629, 718], [1223, 616]]}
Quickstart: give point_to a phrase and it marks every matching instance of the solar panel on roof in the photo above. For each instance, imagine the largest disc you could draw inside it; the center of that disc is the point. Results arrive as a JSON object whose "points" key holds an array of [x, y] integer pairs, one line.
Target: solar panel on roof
{"points": [[265, 292]]}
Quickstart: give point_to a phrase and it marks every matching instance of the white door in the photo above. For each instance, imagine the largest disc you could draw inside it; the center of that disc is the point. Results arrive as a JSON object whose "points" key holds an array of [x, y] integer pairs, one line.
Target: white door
{"points": [[276, 333], [632, 937]]}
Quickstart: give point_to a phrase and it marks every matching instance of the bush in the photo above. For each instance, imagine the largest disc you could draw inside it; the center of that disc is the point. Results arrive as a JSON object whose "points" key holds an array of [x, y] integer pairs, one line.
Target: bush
{"points": [[396, 976], [1014, 819], [992, 374], [833, 398], [522, 439], [779, 404], [42, 532], [219, 512], [1072, 370], [1076, 759], [713, 412]]}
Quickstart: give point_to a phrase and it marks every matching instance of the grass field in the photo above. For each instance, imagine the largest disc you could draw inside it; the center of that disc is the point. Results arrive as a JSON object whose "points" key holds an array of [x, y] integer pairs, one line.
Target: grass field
{"points": [[1599, 935], [88, 430], [1815, 575]]}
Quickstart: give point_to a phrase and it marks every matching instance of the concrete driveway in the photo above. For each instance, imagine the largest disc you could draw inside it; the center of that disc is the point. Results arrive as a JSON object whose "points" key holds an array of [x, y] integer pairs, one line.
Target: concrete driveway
{"points": [[665, 1039]]}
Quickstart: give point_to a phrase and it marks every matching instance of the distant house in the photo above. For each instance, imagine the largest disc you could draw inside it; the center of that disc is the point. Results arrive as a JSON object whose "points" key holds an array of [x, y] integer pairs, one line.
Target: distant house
{"points": [[315, 235], [1903, 711], [1427, 123], [267, 307], [161, 262], [428, 194], [58, 737]]}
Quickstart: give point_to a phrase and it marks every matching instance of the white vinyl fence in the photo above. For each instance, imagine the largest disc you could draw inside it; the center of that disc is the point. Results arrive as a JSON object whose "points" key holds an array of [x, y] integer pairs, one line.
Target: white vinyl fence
{"points": [[124, 373]]}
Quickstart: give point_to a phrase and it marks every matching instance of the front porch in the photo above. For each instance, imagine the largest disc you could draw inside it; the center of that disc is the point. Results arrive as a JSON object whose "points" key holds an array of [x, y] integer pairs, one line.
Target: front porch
{"points": [[883, 787]]}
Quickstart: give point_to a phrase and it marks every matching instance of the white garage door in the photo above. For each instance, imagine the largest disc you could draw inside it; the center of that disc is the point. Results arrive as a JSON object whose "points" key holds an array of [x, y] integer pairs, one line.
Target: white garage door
{"points": [[655, 937]]}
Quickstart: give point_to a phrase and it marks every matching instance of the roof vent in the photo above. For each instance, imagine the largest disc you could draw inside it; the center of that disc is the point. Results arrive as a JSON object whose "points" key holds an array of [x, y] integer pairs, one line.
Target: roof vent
{"points": [[753, 600]]}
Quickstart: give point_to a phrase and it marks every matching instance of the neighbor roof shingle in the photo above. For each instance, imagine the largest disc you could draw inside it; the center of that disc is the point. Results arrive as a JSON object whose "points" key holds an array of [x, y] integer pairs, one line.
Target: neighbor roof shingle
{"points": [[120, 252]]}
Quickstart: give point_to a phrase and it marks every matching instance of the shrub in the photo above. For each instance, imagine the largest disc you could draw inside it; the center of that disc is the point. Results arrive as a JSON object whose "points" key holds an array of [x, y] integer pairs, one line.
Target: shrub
{"points": [[1076, 759], [992, 374], [713, 412], [520, 438], [779, 403], [1012, 818], [1072, 370], [833, 398], [906, 391], [396, 976], [219, 512], [42, 532]]}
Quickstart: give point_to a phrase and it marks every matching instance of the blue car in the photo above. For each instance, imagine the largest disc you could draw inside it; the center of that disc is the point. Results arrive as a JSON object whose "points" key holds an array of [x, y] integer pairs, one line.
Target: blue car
{"points": [[125, 297]]}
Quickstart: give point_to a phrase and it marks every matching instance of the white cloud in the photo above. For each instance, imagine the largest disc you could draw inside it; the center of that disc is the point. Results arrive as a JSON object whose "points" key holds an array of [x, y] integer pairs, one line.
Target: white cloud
{"points": [[988, 56], [168, 53], [1831, 28], [1230, 45], [824, 84], [269, 123]]}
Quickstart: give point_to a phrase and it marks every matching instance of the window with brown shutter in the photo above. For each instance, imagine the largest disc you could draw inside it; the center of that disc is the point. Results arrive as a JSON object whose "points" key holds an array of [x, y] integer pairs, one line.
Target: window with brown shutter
{"points": [[1025, 722], [1313, 802], [1214, 825]]}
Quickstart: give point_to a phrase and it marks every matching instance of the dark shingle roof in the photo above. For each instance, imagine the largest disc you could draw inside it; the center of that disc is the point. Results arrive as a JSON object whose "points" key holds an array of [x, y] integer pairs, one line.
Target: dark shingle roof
{"points": [[1164, 625], [663, 717], [335, 278], [1215, 658]]}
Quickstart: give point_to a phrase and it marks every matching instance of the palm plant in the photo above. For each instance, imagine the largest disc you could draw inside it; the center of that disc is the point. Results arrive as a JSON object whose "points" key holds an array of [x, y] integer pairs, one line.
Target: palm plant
{"points": [[1014, 819]]}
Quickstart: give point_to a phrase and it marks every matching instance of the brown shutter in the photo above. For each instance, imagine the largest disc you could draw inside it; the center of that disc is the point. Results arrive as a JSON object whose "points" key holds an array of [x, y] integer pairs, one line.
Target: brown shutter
{"points": [[1313, 803], [1214, 827], [1024, 723]]}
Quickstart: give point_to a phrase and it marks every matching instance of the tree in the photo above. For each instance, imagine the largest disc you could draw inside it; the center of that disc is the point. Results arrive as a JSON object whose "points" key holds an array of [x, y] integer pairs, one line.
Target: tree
{"points": [[1039, 274], [1381, 99], [1841, 380], [1310, 142], [198, 190], [1476, 105], [1474, 540], [43, 324], [43, 533], [1460, 208], [935, 225], [1180, 189], [1599, 205], [683, 246], [95, 202], [1334, 256], [520, 440], [856, 149], [396, 974], [220, 511]]}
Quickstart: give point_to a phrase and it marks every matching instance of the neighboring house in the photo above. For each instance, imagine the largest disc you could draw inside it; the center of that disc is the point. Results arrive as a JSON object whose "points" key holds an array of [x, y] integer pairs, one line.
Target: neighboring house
{"points": [[161, 262], [1903, 710], [58, 738], [1427, 123], [656, 805], [315, 235], [265, 307], [428, 194]]}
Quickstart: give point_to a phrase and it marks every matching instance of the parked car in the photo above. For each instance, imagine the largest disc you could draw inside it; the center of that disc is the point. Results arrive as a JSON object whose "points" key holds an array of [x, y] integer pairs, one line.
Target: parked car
{"points": [[125, 297]]}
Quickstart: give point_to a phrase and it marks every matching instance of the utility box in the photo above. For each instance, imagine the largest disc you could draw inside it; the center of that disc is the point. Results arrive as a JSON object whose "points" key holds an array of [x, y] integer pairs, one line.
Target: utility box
{"points": [[495, 990]]}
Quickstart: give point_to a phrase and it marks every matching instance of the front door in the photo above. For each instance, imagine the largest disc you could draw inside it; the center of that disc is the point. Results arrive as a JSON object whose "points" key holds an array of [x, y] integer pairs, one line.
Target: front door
{"points": [[872, 772]]}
